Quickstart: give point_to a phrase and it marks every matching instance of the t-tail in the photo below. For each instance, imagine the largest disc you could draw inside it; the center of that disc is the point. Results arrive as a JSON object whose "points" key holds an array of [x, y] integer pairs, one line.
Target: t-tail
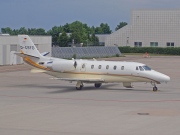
{"points": [[27, 47], [29, 53]]}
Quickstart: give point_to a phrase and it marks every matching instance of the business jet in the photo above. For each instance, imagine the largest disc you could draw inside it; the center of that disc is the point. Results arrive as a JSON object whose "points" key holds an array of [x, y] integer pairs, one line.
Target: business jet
{"points": [[88, 71]]}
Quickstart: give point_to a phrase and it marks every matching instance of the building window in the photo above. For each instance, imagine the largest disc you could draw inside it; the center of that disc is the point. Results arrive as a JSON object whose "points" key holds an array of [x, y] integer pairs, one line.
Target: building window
{"points": [[137, 44], [107, 67], [92, 66], [99, 66], [170, 44], [154, 44], [115, 67]]}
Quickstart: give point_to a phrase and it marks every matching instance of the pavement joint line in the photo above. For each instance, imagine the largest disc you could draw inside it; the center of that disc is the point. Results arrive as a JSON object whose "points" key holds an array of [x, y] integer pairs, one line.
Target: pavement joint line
{"points": [[96, 100]]}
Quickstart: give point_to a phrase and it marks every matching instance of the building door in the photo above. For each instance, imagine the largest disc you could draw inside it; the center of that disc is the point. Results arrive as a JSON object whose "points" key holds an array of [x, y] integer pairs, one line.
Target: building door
{"points": [[13, 58]]}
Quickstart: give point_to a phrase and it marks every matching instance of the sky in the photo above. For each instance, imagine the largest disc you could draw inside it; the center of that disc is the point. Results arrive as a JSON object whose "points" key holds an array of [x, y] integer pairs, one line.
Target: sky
{"points": [[48, 13]]}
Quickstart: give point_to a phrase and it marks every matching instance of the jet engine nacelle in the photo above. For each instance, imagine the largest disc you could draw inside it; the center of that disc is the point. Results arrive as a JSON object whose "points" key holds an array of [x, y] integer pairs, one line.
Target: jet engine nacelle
{"points": [[62, 66]]}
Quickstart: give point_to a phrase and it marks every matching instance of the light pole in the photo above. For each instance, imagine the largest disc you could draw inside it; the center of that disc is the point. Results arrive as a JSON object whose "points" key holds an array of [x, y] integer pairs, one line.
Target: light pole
{"points": [[127, 41]]}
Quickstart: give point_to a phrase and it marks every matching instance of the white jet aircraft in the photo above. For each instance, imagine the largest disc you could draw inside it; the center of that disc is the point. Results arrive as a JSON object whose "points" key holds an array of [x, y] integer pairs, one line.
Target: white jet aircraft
{"points": [[88, 71]]}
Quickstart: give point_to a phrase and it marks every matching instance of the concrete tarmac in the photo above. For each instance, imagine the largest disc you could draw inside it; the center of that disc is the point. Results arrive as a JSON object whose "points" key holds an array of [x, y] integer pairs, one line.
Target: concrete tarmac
{"points": [[33, 104]]}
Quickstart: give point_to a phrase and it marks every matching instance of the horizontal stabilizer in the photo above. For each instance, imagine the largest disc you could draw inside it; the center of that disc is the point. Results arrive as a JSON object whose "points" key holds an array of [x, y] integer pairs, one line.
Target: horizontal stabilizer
{"points": [[80, 79], [25, 55], [45, 53], [37, 70]]}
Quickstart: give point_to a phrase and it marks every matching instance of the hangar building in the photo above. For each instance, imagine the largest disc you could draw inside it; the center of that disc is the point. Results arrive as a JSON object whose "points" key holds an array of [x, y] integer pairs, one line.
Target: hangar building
{"points": [[149, 28], [10, 44]]}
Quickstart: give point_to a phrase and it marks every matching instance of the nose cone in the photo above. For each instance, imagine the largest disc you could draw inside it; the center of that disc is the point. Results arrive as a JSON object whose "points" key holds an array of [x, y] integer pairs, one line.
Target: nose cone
{"points": [[163, 78], [166, 78], [159, 77]]}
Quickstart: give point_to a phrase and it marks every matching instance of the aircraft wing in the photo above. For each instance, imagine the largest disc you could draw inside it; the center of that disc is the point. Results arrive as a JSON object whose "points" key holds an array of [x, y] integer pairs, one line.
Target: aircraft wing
{"points": [[90, 80]]}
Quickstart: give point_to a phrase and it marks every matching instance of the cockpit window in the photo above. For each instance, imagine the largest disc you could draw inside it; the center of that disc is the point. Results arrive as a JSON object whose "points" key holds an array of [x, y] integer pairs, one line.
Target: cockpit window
{"points": [[146, 68], [141, 69]]}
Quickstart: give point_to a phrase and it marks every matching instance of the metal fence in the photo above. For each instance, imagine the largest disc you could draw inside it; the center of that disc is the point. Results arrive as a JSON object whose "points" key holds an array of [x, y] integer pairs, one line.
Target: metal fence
{"points": [[85, 52]]}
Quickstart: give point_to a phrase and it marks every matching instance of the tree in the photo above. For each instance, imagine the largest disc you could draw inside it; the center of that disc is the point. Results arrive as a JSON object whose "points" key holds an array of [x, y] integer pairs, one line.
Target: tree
{"points": [[76, 36], [94, 40], [54, 32], [120, 25], [32, 31], [66, 28], [40, 31], [103, 29], [63, 40], [23, 30], [6, 30], [14, 32], [80, 32]]}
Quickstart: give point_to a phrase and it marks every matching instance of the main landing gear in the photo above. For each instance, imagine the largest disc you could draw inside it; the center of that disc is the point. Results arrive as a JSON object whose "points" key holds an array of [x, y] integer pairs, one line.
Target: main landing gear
{"points": [[97, 85], [79, 85], [154, 88]]}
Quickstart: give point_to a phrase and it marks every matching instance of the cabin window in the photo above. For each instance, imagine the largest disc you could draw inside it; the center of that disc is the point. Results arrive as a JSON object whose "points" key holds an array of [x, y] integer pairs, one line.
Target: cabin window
{"points": [[92, 66], [141, 68], [83, 65], [115, 67], [107, 67], [99, 66], [122, 68], [137, 68]]}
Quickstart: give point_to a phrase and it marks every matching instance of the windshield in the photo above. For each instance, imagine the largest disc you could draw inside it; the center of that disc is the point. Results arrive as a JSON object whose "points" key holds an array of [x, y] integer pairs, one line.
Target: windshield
{"points": [[146, 68]]}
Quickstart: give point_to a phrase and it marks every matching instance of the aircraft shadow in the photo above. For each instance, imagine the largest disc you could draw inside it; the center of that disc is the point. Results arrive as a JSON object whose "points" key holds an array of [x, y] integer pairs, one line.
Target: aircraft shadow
{"points": [[67, 89], [107, 87]]}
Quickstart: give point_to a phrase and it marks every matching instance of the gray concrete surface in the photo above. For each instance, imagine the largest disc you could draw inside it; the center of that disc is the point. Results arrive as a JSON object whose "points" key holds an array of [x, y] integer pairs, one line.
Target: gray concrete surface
{"points": [[32, 104]]}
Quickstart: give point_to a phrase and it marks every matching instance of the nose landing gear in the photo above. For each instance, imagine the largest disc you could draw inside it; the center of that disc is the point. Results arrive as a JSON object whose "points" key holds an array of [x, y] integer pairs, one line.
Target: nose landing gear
{"points": [[154, 88]]}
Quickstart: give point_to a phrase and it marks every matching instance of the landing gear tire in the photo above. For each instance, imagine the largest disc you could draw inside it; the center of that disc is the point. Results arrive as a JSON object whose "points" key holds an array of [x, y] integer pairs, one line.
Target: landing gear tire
{"points": [[79, 88], [79, 85], [155, 89], [97, 85]]}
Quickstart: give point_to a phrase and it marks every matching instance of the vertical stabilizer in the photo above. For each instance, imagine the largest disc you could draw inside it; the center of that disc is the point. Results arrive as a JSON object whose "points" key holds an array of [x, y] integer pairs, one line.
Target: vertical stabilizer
{"points": [[27, 46]]}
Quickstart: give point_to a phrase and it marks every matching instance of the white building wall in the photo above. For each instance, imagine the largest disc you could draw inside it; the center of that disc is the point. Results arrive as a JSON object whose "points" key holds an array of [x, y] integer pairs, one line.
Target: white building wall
{"points": [[1, 58], [147, 26], [6, 56]]}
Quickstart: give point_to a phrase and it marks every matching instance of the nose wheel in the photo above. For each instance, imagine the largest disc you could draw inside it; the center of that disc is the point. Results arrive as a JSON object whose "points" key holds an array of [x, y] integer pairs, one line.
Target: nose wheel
{"points": [[154, 88]]}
